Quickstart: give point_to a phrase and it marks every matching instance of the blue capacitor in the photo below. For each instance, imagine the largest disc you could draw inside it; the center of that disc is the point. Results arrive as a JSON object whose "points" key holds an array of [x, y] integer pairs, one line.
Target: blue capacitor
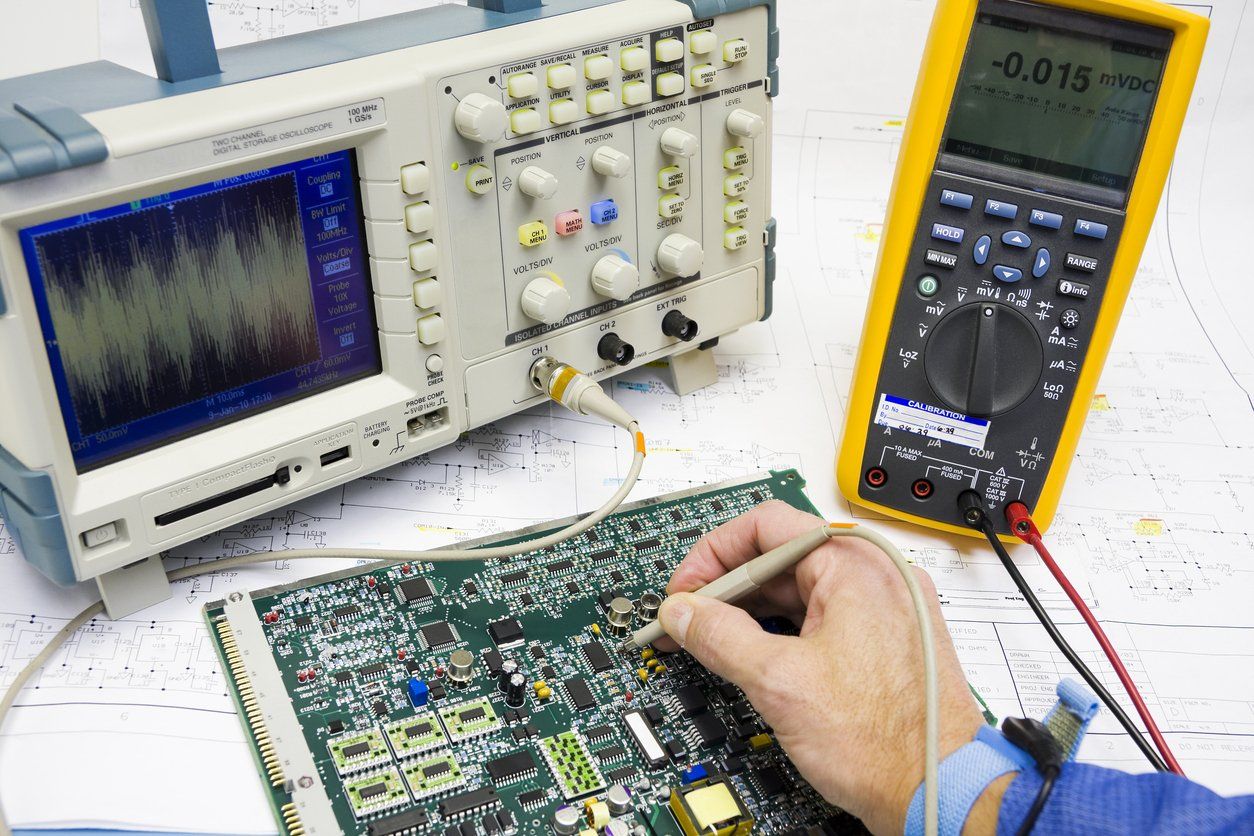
{"points": [[694, 773], [419, 693]]}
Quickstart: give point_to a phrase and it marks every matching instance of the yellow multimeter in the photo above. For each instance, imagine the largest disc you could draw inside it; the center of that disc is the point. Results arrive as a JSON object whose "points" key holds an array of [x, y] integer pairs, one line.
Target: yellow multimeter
{"points": [[1035, 154]]}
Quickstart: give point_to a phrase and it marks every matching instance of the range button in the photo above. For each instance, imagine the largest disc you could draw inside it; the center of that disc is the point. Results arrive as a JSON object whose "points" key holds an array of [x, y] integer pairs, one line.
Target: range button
{"points": [[1088, 264]]}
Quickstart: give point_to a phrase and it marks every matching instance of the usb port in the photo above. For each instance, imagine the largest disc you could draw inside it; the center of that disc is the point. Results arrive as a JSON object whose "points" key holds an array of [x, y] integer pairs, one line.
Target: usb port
{"points": [[342, 454]]}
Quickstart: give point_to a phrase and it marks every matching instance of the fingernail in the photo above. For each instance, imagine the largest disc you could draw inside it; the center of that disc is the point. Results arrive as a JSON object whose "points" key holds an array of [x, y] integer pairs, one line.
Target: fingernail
{"points": [[676, 615]]}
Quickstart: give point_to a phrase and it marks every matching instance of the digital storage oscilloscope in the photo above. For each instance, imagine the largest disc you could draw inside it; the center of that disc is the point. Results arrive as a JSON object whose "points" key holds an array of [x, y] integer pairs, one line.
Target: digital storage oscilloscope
{"points": [[280, 267]]}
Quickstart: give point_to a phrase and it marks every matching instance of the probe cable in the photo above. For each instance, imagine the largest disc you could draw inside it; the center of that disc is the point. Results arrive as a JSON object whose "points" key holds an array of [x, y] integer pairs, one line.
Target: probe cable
{"points": [[1023, 527], [975, 515], [563, 384]]}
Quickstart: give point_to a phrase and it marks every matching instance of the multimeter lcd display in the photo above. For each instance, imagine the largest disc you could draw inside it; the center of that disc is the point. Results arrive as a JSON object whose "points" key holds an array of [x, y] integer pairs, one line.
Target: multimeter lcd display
{"points": [[173, 314], [1055, 102]]}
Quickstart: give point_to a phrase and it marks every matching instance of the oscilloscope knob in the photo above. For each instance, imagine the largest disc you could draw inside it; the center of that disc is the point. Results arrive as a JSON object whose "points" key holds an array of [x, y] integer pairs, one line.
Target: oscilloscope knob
{"points": [[679, 255], [480, 118], [545, 300], [745, 124], [615, 277], [538, 183], [983, 359], [610, 162], [680, 143]]}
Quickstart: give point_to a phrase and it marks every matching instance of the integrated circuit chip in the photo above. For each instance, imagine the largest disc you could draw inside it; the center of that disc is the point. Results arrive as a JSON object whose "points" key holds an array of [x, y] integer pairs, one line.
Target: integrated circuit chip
{"points": [[512, 767], [356, 751], [470, 719], [403, 823], [595, 653], [574, 770], [438, 634], [415, 735], [376, 792], [580, 694], [506, 632], [415, 590], [469, 802], [712, 730], [434, 775]]}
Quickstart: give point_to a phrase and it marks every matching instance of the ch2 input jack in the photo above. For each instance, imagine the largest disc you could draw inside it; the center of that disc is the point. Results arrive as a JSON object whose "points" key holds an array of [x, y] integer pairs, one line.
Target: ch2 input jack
{"points": [[613, 349], [679, 327]]}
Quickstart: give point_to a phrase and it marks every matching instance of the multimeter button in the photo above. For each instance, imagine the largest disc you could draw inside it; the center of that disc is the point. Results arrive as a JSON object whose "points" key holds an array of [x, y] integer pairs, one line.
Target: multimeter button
{"points": [[1049, 220], [980, 252], [1007, 274], [958, 200], [1076, 290], [1090, 229], [928, 286], [953, 234], [1070, 318], [1081, 262], [939, 258], [1016, 239], [1000, 210], [1041, 266]]}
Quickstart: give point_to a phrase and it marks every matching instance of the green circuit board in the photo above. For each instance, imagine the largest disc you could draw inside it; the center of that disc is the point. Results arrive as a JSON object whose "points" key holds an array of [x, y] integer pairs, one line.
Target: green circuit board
{"points": [[362, 725]]}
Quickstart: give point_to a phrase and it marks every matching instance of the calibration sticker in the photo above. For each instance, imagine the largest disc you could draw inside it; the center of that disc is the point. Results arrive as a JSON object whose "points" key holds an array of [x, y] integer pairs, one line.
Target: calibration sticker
{"points": [[931, 421]]}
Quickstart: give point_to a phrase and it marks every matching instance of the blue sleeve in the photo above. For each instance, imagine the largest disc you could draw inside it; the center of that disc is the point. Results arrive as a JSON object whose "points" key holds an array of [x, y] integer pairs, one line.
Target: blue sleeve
{"points": [[1103, 802]]}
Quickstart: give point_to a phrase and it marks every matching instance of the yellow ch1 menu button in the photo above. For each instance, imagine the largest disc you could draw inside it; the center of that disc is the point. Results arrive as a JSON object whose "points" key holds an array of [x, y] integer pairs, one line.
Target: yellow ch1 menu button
{"points": [[533, 234]]}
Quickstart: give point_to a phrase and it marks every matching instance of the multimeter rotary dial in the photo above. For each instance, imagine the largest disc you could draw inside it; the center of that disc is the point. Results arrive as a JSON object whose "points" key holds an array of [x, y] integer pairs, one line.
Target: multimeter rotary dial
{"points": [[983, 359]]}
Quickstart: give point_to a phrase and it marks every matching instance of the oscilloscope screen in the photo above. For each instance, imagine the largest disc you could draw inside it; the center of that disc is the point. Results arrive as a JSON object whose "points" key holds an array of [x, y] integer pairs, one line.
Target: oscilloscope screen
{"points": [[177, 313]]}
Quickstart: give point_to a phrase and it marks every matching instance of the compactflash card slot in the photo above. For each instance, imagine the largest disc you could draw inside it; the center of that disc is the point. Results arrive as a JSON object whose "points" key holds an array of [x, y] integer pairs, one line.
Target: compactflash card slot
{"points": [[280, 477]]}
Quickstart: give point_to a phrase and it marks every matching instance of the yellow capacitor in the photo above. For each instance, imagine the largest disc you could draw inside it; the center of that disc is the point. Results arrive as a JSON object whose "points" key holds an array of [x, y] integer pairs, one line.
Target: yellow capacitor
{"points": [[597, 813], [760, 741], [544, 693], [647, 654], [540, 685], [595, 629], [643, 674]]}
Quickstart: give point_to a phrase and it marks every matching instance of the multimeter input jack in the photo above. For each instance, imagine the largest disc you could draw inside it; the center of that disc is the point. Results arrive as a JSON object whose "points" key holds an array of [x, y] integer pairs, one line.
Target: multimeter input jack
{"points": [[877, 477], [680, 327], [922, 489]]}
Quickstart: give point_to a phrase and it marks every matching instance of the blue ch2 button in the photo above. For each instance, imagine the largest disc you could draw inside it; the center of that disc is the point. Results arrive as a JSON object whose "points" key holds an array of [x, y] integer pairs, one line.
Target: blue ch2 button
{"points": [[1007, 274], [1049, 220], [1090, 229], [604, 212], [1000, 210], [957, 200], [982, 247], [952, 234]]}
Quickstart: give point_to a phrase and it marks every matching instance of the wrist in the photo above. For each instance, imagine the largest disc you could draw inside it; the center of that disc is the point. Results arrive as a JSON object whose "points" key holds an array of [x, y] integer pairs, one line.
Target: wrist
{"points": [[965, 780], [983, 817]]}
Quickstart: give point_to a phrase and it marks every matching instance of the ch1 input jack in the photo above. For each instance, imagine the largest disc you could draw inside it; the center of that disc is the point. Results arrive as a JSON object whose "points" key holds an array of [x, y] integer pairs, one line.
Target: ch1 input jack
{"points": [[612, 348], [679, 327], [877, 477]]}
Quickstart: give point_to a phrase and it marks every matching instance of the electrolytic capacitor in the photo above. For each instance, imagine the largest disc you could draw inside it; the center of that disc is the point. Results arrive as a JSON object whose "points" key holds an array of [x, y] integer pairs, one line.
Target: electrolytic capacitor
{"points": [[618, 798], [619, 616], [650, 603], [516, 690], [461, 666], [566, 820], [617, 827], [508, 668]]}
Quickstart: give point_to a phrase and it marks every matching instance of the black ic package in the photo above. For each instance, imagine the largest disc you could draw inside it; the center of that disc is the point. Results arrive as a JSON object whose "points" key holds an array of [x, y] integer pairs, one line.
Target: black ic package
{"points": [[617, 576], [404, 822], [770, 780], [580, 694], [507, 631], [692, 700], [527, 599], [347, 611], [438, 691], [712, 730], [493, 660], [513, 766], [438, 634], [560, 566], [597, 657], [416, 589], [572, 588]]}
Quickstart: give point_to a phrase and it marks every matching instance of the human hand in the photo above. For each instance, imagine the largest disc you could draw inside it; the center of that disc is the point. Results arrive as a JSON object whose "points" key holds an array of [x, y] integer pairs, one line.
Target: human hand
{"points": [[846, 697]]}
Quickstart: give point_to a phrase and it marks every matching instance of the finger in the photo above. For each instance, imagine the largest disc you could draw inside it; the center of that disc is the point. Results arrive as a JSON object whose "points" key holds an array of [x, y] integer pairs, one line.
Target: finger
{"points": [[723, 638], [735, 543]]}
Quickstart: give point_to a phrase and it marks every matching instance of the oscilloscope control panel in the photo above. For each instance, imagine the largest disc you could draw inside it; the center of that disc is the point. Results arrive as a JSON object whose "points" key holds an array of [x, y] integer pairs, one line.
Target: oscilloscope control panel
{"points": [[254, 285]]}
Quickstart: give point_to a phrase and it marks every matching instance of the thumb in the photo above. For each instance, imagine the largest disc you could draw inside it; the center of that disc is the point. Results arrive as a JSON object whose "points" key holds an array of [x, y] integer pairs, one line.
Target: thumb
{"points": [[722, 637]]}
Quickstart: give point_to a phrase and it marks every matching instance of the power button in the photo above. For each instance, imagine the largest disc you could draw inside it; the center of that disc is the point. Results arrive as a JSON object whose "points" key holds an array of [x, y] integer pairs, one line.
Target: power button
{"points": [[928, 286]]}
